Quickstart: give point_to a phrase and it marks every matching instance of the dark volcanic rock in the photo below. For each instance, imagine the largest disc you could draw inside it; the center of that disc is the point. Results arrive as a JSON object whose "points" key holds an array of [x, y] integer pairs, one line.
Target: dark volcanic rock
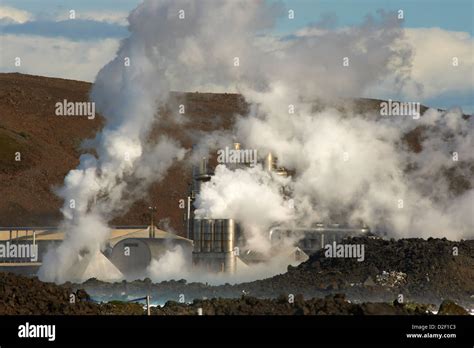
{"points": [[23, 295], [28, 296], [421, 270], [450, 308], [330, 305]]}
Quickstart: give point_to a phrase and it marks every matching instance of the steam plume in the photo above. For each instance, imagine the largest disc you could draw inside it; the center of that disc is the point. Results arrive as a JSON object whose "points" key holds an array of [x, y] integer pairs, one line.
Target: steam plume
{"points": [[347, 166]]}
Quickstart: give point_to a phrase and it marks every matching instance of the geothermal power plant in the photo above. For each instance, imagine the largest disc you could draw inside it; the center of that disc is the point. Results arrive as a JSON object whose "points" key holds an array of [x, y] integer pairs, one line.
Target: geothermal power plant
{"points": [[274, 171], [211, 245]]}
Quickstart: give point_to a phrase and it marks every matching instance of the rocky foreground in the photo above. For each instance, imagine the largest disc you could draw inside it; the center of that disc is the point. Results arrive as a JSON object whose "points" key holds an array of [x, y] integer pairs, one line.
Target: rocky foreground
{"points": [[422, 271], [408, 276], [21, 295]]}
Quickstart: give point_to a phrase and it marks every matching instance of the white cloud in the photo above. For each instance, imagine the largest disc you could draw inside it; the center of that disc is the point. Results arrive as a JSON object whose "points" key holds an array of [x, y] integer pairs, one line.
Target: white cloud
{"points": [[433, 67], [13, 15], [56, 57], [9, 15], [116, 17], [311, 31], [432, 72]]}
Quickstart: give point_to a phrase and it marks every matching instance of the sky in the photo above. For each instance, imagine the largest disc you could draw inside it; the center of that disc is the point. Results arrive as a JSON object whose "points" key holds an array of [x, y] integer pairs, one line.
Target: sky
{"points": [[50, 44], [454, 15]]}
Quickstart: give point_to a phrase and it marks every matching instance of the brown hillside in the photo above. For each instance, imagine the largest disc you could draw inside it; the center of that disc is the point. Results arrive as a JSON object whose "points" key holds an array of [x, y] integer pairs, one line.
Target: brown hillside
{"points": [[50, 147]]}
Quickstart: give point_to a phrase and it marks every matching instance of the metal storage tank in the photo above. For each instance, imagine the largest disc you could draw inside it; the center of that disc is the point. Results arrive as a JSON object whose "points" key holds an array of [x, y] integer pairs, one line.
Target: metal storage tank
{"points": [[214, 244], [218, 234], [207, 234], [197, 231], [228, 235]]}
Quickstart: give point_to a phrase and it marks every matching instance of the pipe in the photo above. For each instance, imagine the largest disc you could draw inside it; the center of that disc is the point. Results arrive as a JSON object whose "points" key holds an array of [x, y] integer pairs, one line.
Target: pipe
{"points": [[269, 163], [148, 305], [188, 219], [319, 229], [203, 167], [34, 241]]}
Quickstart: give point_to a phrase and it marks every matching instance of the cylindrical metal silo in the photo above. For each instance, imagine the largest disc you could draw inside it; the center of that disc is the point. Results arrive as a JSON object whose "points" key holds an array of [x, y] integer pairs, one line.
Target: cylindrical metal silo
{"points": [[217, 242], [197, 235], [207, 232], [230, 262], [228, 235]]}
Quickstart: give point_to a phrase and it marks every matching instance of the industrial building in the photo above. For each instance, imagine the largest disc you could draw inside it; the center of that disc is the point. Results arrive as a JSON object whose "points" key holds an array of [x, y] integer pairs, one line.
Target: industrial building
{"points": [[129, 250], [214, 245], [219, 244]]}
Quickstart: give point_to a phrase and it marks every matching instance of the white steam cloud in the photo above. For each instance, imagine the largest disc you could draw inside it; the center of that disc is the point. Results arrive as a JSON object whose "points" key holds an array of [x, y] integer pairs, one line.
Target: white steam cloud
{"points": [[173, 265], [226, 194], [347, 166]]}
